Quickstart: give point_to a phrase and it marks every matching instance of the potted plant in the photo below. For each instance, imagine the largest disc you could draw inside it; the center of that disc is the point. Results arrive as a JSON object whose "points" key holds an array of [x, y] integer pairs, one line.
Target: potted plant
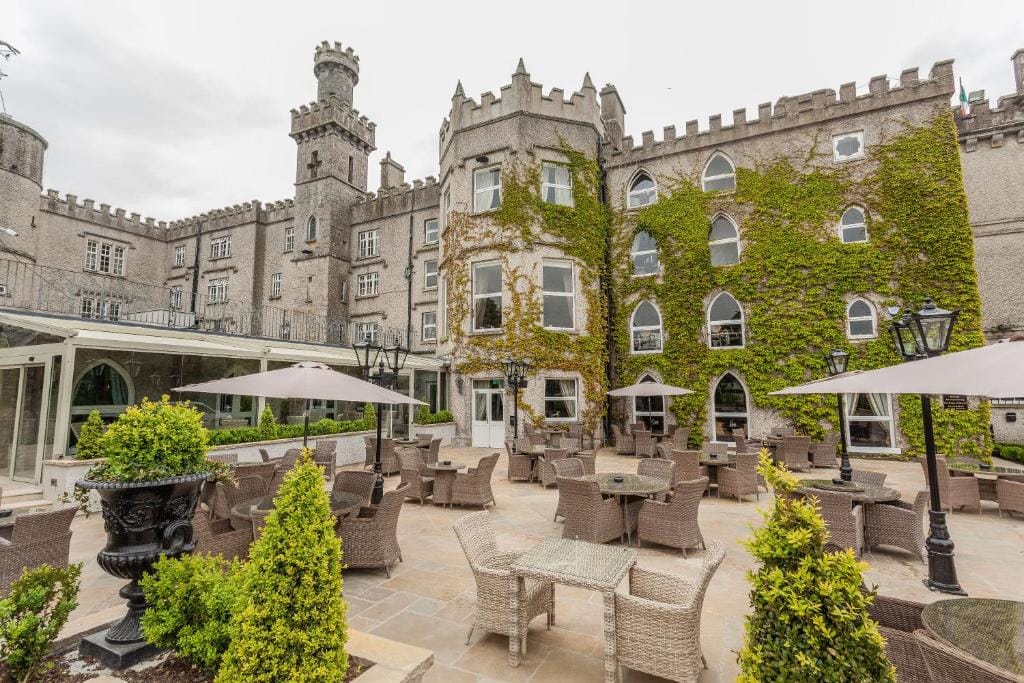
{"points": [[149, 486]]}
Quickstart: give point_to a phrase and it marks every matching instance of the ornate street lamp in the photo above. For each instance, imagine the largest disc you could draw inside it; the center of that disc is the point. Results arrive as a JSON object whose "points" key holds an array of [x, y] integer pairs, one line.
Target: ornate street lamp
{"points": [[368, 355], [515, 372], [836, 361], [921, 335]]}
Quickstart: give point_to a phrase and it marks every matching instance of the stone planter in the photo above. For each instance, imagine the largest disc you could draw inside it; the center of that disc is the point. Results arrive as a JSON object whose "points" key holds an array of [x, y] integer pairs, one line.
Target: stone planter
{"points": [[59, 478]]}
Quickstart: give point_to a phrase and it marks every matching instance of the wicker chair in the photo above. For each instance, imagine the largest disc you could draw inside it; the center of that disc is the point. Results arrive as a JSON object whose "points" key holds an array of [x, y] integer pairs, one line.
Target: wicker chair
{"points": [[34, 540], [1010, 495], [218, 537], [474, 487], [741, 480], [491, 572], [589, 461], [242, 490], [566, 468], [780, 432], [657, 625], [555, 440], [522, 444], [326, 446], [659, 469], [226, 458], [868, 477], [416, 479], [899, 524], [947, 663], [435, 448], [897, 620], [370, 539], [519, 464], [680, 438], [545, 472], [588, 516], [688, 466], [359, 483], [823, 454], [954, 492], [623, 442], [844, 520], [265, 455], [663, 450], [742, 446], [537, 439], [574, 443], [423, 439], [674, 523], [718, 448], [370, 448], [644, 444], [265, 470], [795, 452]]}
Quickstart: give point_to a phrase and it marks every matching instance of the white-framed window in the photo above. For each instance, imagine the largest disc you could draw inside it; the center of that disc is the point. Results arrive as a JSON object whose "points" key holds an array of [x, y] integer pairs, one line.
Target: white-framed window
{"points": [[179, 255], [430, 231], [311, 229], [176, 298], [869, 423], [447, 207], [103, 257], [217, 290], [442, 285], [275, 285], [559, 295], [848, 146], [91, 251], [369, 243], [645, 328], [487, 299], [724, 241], [105, 251], [428, 326], [118, 265], [100, 308], [642, 191], [430, 274], [220, 247], [368, 332], [860, 320], [853, 226], [289, 238], [486, 189], [644, 252], [649, 410], [560, 399], [343, 294], [725, 323], [556, 184], [730, 408], [719, 173], [367, 284]]}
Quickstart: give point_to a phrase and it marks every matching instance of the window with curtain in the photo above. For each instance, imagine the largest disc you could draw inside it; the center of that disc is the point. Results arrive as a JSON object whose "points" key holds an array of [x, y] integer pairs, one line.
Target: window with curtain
{"points": [[560, 399], [486, 189], [559, 295], [725, 323], [644, 253], [869, 421], [719, 174], [556, 184], [724, 242], [487, 298], [645, 327], [642, 191]]}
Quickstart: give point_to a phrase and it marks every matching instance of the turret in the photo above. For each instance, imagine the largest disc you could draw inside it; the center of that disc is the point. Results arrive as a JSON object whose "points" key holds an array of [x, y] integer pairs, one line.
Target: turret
{"points": [[21, 177], [1018, 70], [337, 71]]}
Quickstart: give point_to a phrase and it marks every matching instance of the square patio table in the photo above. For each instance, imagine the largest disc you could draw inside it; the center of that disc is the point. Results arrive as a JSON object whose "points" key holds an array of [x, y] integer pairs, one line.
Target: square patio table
{"points": [[573, 563]]}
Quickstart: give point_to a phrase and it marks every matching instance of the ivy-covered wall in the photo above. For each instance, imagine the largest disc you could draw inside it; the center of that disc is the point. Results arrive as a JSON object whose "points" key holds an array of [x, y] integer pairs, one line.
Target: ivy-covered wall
{"points": [[795, 277]]}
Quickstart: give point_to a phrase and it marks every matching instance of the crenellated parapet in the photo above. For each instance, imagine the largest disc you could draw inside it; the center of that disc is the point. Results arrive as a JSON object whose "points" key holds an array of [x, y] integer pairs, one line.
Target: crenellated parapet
{"points": [[102, 215], [421, 194], [790, 112], [246, 213], [995, 125], [332, 115]]}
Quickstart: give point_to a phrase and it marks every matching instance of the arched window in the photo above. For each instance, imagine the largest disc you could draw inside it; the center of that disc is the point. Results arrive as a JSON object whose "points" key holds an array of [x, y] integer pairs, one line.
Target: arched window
{"points": [[645, 326], [860, 320], [730, 408], [311, 229], [725, 323], [719, 173], [650, 410], [645, 254], [852, 227], [724, 241], [642, 191], [103, 386]]}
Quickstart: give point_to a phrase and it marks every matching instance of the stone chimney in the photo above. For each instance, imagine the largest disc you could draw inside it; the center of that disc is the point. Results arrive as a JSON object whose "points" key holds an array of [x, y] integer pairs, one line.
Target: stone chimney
{"points": [[392, 174], [613, 114], [1018, 70]]}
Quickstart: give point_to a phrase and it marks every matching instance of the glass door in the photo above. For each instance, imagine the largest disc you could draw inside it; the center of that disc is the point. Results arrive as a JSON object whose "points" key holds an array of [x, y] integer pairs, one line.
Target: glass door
{"points": [[30, 420], [10, 381]]}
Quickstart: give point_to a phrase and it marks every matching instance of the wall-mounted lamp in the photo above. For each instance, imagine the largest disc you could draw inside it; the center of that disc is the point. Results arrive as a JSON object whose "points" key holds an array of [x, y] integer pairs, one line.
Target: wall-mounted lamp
{"points": [[459, 384], [483, 159]]}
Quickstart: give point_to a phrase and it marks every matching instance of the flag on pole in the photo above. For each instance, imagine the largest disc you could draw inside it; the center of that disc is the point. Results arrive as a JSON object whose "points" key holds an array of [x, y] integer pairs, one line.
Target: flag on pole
{"points": [[965, 106]]}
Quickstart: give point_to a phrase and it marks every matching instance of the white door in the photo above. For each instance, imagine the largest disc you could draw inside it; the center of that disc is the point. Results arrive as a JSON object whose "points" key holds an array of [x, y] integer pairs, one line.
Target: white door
{"points": [[488, 413]]}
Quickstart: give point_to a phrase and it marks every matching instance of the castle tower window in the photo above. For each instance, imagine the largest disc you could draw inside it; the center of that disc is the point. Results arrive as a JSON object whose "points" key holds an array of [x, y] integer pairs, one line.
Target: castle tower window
{"points": [[351, 165], [487, 299], [311, 229], [369, 243], [430, 231], [730, 408], [645, 327], [556, 185], [645, 255], [289, 238], [179, 255], [486, 189], [430, 274], [446, 214], [367, 284], [428, 326], [860, 320], [220, 247], [559, 295], [724, 241], [725, 323], [217, 290], [853, 227], [642, 191], [275, 285], [848, 146], [719, 174]]}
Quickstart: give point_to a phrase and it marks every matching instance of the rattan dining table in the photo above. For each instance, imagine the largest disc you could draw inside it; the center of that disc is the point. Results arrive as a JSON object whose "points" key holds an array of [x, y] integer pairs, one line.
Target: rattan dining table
{"points": [[987, 476], [991, 630], [444, 476], [862, 493], [631, 486], [342, 503], [713, 462]]}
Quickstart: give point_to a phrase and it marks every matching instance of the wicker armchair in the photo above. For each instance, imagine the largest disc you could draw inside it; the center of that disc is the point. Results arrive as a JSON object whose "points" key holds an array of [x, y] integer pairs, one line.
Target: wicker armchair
{"points": [[218, 537], [823, 454], [370, 539], [474, 487], [947, 663], [33, 540], [545, 472], [566, 468], [868, 477], [574, 442], [416, 479], [326, 446], [359, 483], [794, 451], [423, 439], [555, 440], [742, 445], [780, 432], [226, 458], [264, 470], [589, 461], [522, 444], [537, 438], [435, 448], [717, 448], [1010, 495], [680, 438], [264, 455], [588, 516], [663, 450], [897, 620], [741, 480], [370, 450], [674, 523], [657, 625], [659, 469], [520, 466], [688, 466], [844, 520], [491, 571], [644, 444], [954, 492], [623, 442], [899, 524], [242, 490]]}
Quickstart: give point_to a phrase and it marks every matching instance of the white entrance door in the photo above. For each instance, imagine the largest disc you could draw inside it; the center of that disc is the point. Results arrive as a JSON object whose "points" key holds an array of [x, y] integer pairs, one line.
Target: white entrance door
{"points": [[488, 413]]}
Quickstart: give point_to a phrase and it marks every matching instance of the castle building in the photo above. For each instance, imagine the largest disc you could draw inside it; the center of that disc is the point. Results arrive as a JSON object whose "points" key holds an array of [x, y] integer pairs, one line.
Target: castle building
{"points": [[549, 234]]}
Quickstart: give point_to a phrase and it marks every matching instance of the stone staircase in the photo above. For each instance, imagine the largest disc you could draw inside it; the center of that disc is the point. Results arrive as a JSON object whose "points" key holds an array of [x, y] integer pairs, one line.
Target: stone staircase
{"points": [[22, 498]]}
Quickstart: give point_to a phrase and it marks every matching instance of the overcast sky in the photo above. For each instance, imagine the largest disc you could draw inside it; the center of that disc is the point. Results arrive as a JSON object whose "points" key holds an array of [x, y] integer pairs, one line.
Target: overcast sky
{"points": [[175, 108]]}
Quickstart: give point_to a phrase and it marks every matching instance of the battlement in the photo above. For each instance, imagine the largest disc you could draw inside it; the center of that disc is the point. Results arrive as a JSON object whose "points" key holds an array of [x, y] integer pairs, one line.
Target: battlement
{"points": [[522, 95], [332, 114], [326, 52], [87, 211], [792, 112], [237, 214], [337, 71], [421, 194]]}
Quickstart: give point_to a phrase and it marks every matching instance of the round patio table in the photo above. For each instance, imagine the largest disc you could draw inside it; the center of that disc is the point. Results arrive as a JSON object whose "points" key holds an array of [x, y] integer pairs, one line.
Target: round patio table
{"points": [[987, 476], [631, 486], [862, 493], [444, 477], [713, 463], [991, 630], [342, 503]]}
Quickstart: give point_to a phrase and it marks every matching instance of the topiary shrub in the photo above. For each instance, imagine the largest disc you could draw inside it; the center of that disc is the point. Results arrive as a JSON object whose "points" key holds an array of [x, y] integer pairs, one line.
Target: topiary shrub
{"points": [[39, 605], [809, 620], [89, 436], [268, 424], [370, 416], [292, 627], [192, 600]]}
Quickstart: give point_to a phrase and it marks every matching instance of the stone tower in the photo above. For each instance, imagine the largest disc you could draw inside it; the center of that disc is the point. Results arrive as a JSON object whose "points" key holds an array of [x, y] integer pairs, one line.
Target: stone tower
{"points": [[21, 178]]}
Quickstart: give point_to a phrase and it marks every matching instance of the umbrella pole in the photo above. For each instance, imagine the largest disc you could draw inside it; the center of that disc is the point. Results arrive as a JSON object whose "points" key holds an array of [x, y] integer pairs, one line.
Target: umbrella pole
{"points": [[941, 567], [378, 481], [305, 425], [845, 469]]}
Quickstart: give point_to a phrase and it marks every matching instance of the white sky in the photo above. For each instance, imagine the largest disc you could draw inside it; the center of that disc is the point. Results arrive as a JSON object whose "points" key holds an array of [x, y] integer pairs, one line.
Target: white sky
{"points": [[174, 108]]}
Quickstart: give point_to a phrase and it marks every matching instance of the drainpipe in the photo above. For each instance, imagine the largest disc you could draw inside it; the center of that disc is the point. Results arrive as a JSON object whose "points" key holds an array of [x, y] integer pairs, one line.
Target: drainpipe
{"points": [[408, 273], [195, 274], [610, 367]]}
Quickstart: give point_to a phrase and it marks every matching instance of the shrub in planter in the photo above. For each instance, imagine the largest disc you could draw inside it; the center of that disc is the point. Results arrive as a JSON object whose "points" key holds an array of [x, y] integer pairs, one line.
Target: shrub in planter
{"points": [[89, 436], [425, 417], [38, 606], [268, 424], [809, 620], [293, 626]]}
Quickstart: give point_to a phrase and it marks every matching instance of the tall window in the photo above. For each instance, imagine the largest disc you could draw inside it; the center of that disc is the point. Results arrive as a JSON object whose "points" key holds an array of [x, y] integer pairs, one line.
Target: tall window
{"points": [[428, 326], [179, 255], [642, 191], [559, 295], [724, 242], [719, 174], [869, 421], [176, 298], [105, 250], [275, 285], [430, 232], [730, 403], [367, 284], [860, 320], [343, 293], [118, 266], [289, 238], [100, 308], [217, 290], [650, 410], [725, 323], [311, 229], [91, 250], [368, 332], [486, 189], [487, 296], [645, 326], [559, 399], [447, 208], [220, 247], [443, 286], [645, 254], [853, 227], [369, 243], [430, 274], [103, 257], [556, 185]]}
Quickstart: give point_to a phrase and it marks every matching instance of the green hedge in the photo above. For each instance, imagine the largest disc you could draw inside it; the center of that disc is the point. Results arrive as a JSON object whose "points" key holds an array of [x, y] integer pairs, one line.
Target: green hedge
{"points": [[223, 437], [425, 417], [1009, 451]]}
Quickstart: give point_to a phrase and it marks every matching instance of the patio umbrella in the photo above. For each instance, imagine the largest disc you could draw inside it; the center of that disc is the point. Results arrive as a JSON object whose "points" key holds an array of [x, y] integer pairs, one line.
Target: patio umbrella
{"points": [[648, 389]]}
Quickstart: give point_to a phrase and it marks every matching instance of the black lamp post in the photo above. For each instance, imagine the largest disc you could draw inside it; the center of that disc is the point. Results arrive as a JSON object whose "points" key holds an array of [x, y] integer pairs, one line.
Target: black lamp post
{"points": [[368, 355], [836, 361], [515, 373], [922, 335]]}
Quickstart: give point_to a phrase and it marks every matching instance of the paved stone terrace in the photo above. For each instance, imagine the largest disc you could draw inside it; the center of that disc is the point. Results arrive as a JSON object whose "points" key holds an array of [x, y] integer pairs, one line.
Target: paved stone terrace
{"points": [[428, 601]]}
